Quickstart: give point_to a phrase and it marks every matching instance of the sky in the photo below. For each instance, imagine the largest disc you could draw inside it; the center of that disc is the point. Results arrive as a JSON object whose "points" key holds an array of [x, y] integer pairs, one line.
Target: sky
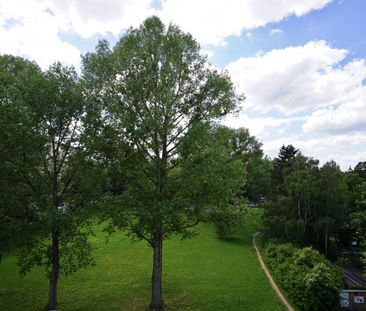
{"points": [[300, 63]]}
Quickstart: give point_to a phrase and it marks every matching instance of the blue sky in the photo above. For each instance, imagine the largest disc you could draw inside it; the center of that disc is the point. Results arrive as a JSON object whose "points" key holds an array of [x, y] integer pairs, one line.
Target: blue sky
{"points": [[301, 63], [339, 23]]}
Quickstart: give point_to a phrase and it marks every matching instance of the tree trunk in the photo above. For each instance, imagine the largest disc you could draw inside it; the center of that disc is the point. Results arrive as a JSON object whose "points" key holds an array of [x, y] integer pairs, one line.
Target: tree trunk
{"points": [[52, 292], [156, 281], [326, 240]]}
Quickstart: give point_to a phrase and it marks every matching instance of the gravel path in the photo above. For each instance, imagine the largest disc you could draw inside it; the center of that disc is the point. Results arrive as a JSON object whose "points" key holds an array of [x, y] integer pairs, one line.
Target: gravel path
{"points": [[270, 279]]}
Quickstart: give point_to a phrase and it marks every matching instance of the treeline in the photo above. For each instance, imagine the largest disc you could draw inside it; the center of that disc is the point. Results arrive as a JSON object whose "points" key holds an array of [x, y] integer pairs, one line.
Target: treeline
{"points": [[319, 206]]}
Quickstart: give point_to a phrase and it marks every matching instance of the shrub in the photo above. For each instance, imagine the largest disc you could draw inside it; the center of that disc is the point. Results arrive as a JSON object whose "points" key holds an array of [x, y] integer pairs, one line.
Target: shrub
{"points": [[305, 275], [363, 259], [227, 220], [321, 290]]}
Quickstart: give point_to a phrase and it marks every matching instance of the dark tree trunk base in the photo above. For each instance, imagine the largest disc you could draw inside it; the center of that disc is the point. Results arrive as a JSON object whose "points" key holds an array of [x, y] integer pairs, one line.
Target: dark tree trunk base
{"points": [[156, 280], [157, 309], [52, 292]]}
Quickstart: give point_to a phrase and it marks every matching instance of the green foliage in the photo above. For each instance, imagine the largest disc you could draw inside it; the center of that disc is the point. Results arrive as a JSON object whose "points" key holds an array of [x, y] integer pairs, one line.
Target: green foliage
{"points": [[51, 180], [360, 169], [156, 93], [75, 249], [282, 166], [20, 81], [305, 275], [227, 220], [321, 291], [309, 205], [364, 257], [59, 182], [357, 213], [247, 149]]}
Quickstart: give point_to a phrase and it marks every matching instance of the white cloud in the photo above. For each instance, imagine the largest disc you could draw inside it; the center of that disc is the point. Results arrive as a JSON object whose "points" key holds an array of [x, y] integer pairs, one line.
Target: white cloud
{"points": [[347, 117], [259, 126], [32, 28], [296, 79], [27, 29], [91, 17], [314, 79], [36, 33], [275, 31], [353, 158], [212, 21], [341, 148]]}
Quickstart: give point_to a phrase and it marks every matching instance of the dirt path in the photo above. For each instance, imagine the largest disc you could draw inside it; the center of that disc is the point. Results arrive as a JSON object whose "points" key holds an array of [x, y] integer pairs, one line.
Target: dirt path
{"points": [[270, 279]]}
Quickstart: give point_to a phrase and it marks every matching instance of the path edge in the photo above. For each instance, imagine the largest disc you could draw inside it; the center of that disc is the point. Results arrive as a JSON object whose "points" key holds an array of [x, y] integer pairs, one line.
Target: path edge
{"points": [[269, 277]]}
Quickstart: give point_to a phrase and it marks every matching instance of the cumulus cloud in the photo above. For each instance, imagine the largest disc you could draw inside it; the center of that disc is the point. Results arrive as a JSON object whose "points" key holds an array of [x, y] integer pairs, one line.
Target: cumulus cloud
{"points": [[316, 80], [28, 29], [341, 148], [259, 126], [212, 21], [32, 28], [88, 18], [347, 117], [295, 79]]}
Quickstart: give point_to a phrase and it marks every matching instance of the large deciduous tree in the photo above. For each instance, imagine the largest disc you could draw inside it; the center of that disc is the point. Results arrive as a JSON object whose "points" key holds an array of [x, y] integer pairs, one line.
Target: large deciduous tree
{"points": [[47, 167], [18, 81], [333, 202], [159, 94], [259, 168]]}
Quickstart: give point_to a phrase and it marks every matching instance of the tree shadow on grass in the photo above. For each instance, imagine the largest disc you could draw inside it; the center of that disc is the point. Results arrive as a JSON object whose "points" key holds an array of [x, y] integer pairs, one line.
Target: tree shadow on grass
{"points": [[234, 240]]}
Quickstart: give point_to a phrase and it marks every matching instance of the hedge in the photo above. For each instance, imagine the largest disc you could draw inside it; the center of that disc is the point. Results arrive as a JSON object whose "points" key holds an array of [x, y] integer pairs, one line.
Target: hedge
{"points": [[306, 276]]}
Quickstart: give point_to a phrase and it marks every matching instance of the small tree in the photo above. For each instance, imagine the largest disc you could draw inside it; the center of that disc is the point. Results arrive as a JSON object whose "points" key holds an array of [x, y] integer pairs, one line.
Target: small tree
{"points": [[158, 91]]}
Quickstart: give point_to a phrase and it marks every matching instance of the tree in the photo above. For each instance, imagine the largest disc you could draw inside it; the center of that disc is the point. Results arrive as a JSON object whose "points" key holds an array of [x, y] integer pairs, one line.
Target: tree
{"points": [[259, 173], [360, 169], [56, 176], [282, 166], [285, 155], [229, 217], [349, 230], [358, 213], [17, 78], [159, 92], [333, 191], [258, 168], [302, 188], [291, 214]]}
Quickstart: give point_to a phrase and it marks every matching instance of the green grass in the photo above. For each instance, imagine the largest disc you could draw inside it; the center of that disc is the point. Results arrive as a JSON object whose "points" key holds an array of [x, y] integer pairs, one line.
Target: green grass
{"points": [[203, 273]]}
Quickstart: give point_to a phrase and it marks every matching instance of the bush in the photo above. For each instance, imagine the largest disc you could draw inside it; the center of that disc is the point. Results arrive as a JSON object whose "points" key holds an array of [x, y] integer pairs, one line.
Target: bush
{"points": [[227, 220], [363, 259], [305, 275]]}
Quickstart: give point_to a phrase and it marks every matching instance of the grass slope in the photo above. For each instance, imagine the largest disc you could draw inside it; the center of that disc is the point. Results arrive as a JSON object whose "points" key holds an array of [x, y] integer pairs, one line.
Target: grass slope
{"points": [[203, 273]]}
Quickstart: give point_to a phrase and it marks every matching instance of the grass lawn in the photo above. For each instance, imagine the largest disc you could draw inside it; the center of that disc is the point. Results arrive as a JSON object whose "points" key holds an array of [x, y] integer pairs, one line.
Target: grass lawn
{"points": [[203, 273]]}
